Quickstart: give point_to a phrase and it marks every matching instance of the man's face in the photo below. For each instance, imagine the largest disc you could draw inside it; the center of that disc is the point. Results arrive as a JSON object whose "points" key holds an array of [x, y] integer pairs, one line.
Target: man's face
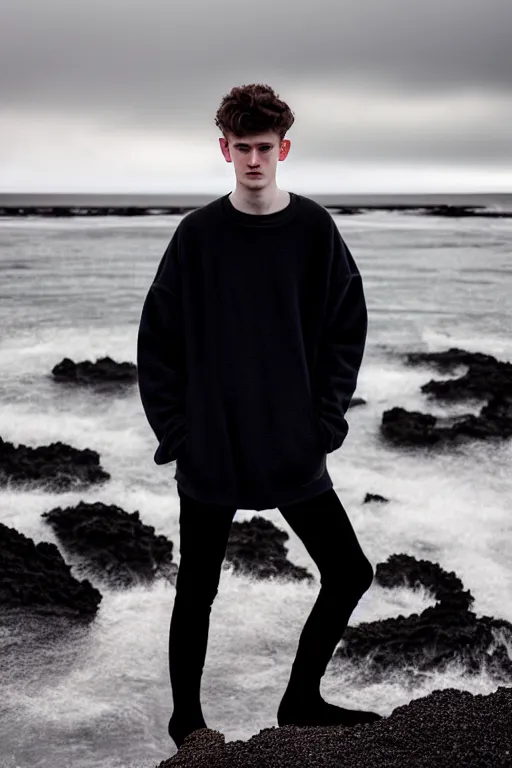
{"points": [[259, 152]]}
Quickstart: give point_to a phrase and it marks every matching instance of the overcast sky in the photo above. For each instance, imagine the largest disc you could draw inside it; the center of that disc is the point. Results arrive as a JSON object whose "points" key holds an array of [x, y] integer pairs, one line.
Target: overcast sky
{"points": [[388, 95]]}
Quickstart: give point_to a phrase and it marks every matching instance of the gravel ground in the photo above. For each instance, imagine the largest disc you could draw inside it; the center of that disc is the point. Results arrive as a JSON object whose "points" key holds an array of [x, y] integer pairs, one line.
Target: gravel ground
{"points": [[446, 729]]}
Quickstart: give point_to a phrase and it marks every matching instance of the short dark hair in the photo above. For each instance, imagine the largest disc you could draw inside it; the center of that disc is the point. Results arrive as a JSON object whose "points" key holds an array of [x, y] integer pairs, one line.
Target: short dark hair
{"points": [[250, 109]]}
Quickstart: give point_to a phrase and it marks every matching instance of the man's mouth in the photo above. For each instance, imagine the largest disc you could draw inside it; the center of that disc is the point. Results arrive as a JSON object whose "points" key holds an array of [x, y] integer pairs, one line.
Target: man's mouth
{"points": [[254, 173]]}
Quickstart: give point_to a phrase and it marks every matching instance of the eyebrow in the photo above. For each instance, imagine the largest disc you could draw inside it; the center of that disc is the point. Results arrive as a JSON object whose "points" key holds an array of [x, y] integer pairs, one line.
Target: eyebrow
{"points": [[261, 143]]}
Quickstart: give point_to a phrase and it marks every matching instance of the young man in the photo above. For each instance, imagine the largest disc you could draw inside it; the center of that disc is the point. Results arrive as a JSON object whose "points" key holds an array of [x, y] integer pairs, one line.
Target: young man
{"points": [[250, 343]]}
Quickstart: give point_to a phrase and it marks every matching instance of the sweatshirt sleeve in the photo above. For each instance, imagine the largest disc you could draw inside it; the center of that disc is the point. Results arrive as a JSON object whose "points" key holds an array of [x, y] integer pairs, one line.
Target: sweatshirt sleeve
{"points": [[160, 357], [342, 345]]}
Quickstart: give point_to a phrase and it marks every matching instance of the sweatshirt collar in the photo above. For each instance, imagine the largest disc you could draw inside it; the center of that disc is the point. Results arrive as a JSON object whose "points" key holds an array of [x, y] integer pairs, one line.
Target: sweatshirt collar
{"points": [[260, 220]]}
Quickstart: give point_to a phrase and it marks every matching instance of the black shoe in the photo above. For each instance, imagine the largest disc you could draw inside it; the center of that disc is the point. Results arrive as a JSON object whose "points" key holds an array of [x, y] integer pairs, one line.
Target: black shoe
{"points": [[178, 731]]}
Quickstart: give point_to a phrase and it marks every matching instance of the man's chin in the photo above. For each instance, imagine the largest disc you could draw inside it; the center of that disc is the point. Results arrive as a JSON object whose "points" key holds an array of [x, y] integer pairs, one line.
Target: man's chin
{"points": [[258, 181]]}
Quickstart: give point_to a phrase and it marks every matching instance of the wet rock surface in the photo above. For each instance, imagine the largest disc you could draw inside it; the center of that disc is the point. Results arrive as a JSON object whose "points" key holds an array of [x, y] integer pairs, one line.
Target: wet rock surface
{"points": [[440, 635], [374, 497], [486, 379], [464, 211], [486, 376], [447, 729], [104, 371], [56, 467], [34, 577], [115, 545], [10, 209], [256, 547], [357, 401]]}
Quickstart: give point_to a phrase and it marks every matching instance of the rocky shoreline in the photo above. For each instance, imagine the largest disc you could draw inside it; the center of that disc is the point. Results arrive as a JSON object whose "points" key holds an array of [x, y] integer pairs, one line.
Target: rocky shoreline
{"points": [[446, 729], [68, 211], [104, 545]]}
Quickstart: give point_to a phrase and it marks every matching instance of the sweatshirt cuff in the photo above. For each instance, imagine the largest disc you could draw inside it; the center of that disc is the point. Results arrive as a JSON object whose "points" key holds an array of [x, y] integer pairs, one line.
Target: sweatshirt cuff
{"points": [[171, 444], [332, 439]]}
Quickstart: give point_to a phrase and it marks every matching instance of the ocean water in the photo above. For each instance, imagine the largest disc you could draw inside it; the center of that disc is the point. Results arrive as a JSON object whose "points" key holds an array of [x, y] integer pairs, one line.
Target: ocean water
{"points": [[75, 288]]}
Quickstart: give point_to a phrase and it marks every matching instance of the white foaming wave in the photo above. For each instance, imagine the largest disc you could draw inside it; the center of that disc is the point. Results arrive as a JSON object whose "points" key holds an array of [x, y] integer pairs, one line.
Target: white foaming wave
{"points": [[154, 221], [437, 341], [45, 347]]}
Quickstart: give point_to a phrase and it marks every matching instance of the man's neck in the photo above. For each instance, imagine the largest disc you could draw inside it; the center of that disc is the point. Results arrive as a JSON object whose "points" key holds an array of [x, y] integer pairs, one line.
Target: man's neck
{"points": [[258, 207]]}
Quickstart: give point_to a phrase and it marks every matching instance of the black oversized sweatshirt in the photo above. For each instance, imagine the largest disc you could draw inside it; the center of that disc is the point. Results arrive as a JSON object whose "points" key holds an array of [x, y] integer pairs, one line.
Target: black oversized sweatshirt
{"points": [[249, 347]]}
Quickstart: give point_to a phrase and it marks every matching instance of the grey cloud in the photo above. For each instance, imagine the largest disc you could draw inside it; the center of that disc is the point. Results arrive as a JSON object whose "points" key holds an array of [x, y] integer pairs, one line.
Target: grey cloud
{"points": [[153, 52], [160, 69]]}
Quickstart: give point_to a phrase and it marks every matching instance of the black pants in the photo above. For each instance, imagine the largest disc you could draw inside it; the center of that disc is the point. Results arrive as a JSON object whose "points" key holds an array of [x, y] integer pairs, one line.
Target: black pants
{"points": [[345, 573]]}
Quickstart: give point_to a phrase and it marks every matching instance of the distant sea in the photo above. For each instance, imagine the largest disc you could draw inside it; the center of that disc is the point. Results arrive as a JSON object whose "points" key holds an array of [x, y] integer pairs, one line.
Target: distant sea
{"points": [[497, 202], [74, 287]]}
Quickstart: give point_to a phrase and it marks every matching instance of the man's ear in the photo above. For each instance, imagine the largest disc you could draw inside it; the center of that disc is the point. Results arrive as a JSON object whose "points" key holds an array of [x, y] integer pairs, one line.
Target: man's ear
{"points": [[225, 149], [284, 149]]}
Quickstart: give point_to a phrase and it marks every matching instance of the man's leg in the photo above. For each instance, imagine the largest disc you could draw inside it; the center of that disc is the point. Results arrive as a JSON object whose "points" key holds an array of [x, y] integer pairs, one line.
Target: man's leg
{"points": [[345, 574], [204, 533]]}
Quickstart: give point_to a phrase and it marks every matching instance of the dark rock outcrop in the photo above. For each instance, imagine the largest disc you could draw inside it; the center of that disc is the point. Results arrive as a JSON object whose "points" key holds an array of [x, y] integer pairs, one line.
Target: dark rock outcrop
{"points": [[87, 210], [35, 578], [113, 544], [486, 379], [256, 547], [447, 729], [440, 635], [56, 467], [414, 428], [464, 211], [103, 371], [374, 497], [67, 211]]}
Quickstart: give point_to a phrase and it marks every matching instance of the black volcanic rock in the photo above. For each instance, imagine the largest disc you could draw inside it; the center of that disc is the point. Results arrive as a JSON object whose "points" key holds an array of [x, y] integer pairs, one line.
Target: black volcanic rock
{"points": [[374, 497], [103, 371], [441, 634], [256, 547], [464, 211], [486, 379], [35, 578], [446, 360], [60, 211], [429, 642], [414, 428], [446, 729], [406, 570], [345, 210], [56, 467], [115, 545], [410, 427], [66, 211]]}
